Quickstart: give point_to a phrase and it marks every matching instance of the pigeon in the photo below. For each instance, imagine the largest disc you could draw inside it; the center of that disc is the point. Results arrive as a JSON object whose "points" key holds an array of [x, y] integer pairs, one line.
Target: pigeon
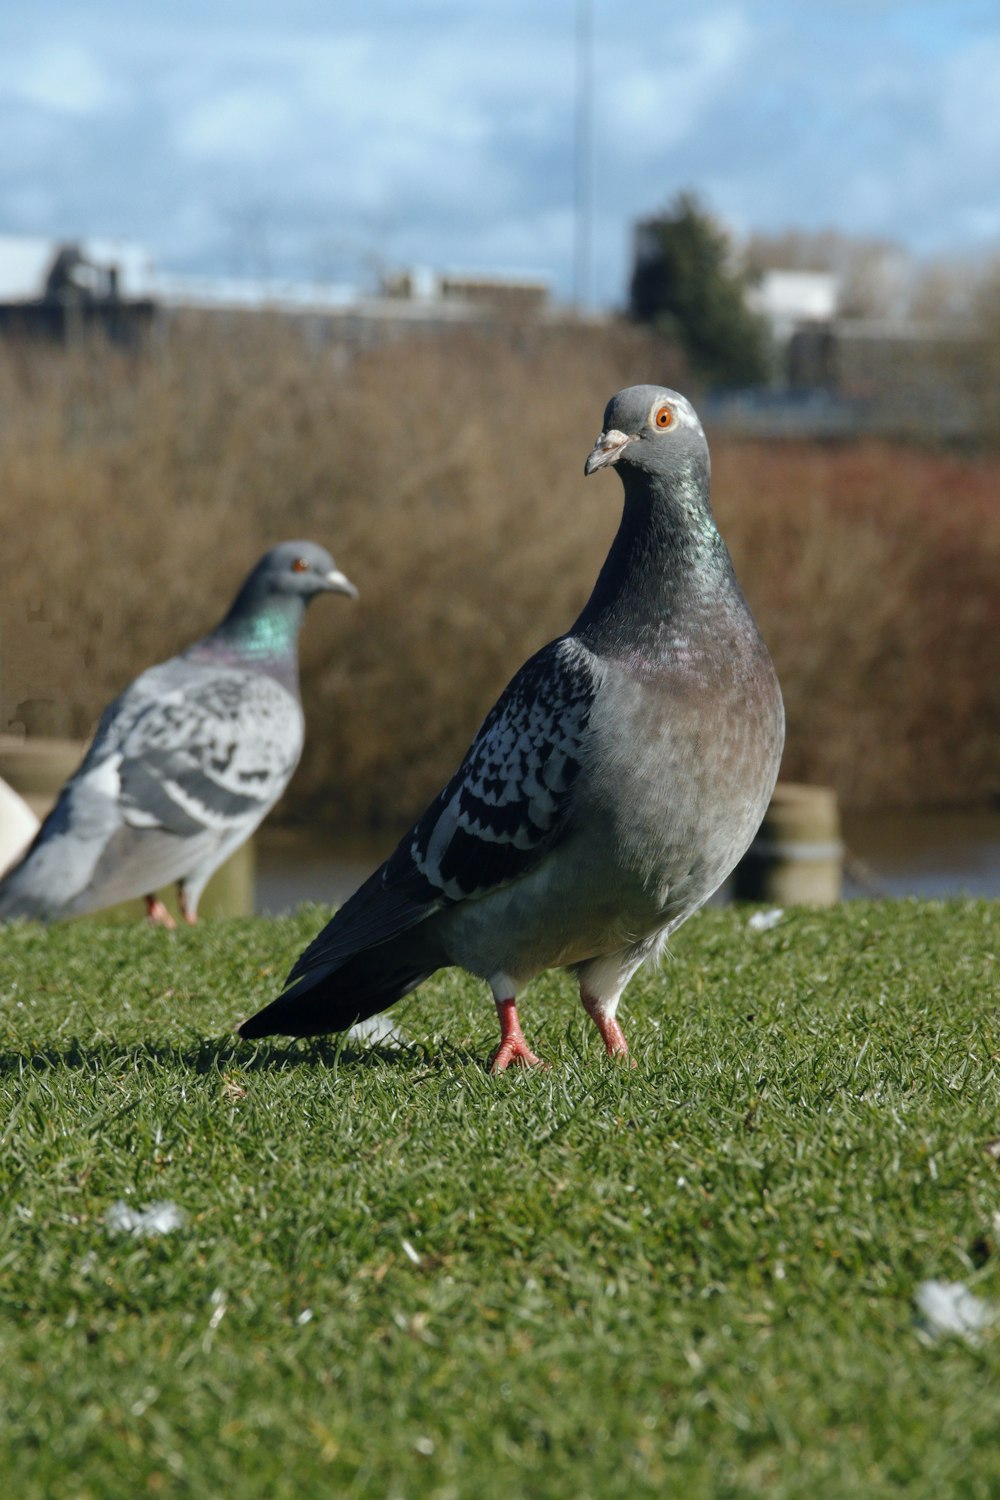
{"points": [[613, 787], [186, 762]]}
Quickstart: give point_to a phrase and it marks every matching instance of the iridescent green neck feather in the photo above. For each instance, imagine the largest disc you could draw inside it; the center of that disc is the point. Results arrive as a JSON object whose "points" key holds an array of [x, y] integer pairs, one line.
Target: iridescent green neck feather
{"points": [[261, 635]]}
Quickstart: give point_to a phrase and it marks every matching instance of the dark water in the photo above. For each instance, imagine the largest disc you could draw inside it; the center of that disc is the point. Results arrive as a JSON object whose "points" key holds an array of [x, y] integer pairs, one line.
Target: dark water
{"points": [[294, 866], [942, 853], [889, 854]]}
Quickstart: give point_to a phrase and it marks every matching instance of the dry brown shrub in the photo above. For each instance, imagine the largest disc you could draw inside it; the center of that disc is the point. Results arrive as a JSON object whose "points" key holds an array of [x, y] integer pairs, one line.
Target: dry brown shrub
{"points": [[445, 473], [874, 572]]}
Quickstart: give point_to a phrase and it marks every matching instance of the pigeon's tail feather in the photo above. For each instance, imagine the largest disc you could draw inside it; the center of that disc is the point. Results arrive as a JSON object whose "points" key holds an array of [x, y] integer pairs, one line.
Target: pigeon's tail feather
{"points": [[334, 998]]}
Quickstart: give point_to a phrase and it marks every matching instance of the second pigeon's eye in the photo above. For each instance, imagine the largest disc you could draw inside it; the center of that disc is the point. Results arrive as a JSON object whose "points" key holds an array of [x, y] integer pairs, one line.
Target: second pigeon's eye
{"points": [[300, 565], [663, 418]]}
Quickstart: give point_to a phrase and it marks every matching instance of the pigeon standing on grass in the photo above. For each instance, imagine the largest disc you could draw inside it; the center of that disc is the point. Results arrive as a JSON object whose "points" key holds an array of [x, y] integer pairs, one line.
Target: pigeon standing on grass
{"points": [[610, 791], [186, 762]]}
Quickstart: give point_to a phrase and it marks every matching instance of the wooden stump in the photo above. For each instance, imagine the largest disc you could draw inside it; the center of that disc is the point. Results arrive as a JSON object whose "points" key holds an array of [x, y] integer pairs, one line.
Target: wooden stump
{"points": [[797, 858]]}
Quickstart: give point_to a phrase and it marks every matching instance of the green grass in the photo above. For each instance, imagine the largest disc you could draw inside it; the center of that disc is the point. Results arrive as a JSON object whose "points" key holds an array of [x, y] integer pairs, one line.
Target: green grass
{"points": [[691, 1278]]}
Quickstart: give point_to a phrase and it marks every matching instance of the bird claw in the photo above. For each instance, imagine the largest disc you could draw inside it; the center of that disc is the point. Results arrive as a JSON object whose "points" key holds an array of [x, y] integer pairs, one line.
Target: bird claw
{"points": [[615, 1044], [514, 1050], [158, 914], [513, 1047], [612, 1035]]}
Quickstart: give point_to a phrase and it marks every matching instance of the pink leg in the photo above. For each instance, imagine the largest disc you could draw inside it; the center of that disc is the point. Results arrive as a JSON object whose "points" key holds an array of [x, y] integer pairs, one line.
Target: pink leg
{"points": [[513, 1047], [611, 1033], [158, 914], [189, 916]]}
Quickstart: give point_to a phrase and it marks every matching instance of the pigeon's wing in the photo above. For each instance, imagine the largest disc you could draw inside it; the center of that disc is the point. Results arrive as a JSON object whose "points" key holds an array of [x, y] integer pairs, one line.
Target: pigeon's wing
{"points": [[215, 754], [183, 766], [508, 804]]}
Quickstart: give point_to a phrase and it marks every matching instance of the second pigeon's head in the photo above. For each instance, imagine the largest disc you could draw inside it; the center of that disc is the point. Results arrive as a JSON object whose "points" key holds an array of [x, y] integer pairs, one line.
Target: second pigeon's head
{"points": [[651, 431], [295, 570]]}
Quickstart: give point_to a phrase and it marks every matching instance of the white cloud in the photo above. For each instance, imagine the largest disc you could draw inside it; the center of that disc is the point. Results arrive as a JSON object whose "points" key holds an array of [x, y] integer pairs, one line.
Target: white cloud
{"points": [[444, 132], [659, 93], [242, 124], [60, 77]]}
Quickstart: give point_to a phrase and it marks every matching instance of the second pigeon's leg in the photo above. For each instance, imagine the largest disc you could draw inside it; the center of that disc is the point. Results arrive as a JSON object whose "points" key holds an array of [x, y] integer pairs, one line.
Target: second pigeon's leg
{"points": [[188, 912], [157, 913], [513, 1047]]}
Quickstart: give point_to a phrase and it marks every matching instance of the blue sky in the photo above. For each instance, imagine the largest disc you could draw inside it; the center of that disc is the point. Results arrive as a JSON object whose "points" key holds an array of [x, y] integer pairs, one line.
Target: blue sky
{"points": [[332, 139]]}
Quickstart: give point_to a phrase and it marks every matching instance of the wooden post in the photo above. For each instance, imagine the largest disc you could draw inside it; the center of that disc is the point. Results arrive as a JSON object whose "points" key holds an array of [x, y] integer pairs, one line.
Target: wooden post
{"points": [[36, 768], [797, 858]]}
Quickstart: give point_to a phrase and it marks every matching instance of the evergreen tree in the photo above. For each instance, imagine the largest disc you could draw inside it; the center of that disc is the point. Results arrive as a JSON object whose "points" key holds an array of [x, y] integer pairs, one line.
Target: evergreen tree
{"points": [[684, 284]]}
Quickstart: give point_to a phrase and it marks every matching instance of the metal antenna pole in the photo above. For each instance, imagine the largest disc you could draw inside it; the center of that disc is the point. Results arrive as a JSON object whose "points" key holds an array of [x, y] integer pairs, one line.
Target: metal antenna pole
{"points": [[583, 143]]}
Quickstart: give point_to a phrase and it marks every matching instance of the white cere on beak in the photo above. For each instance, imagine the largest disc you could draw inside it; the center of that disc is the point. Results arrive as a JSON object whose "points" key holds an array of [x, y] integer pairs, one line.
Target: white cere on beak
{"points": [[340, 583], [606, 450]]}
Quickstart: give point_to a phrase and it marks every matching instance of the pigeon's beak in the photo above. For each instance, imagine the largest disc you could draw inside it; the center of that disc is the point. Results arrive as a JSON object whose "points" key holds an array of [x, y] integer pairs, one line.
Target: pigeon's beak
{"points": [[607, 450], [339, 583]]}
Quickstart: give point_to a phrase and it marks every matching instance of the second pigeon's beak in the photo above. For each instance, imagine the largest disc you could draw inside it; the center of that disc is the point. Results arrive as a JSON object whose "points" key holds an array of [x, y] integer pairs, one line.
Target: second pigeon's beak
{"points": [[339, 583], [607, 450]]}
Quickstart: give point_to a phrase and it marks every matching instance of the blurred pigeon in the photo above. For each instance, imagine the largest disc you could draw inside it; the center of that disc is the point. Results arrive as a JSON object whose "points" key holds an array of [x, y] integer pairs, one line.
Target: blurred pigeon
{"points": [[186, 762], [612, 788]]}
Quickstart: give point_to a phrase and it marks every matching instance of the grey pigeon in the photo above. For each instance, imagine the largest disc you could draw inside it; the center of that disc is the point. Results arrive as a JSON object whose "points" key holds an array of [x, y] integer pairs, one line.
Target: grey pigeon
{"points": [[613, 787], [186, 762]]}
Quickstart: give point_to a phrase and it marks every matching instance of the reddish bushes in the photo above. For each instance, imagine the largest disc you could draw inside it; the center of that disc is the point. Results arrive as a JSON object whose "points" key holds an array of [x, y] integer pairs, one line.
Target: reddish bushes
{"points": [[446, 475]]}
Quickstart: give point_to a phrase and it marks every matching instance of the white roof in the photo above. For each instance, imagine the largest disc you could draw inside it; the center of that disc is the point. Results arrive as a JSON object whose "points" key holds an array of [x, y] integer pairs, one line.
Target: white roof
{"points": [[797, 296], [26, 259], [24, 264]]}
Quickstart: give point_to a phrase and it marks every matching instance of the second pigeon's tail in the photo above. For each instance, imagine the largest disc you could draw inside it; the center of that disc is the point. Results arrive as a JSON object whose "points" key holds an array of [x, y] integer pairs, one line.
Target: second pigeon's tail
{"points": [[332, 999]]}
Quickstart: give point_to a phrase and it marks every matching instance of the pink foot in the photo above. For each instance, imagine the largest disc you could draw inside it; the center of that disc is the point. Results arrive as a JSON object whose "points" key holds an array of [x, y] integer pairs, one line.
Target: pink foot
{"points": [[513, 1047], [611, 1033], [158, 914]]}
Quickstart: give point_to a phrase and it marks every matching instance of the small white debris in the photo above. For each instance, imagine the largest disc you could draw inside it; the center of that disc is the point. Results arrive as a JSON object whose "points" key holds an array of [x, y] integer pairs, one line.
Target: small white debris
{"points": [[377, 1029], [145, 1401], [304, 1317], [949, 1307], [218, 1301], [682, 1182], [143, 1223], [763, 921], [410, 1253], [424, 1445]]}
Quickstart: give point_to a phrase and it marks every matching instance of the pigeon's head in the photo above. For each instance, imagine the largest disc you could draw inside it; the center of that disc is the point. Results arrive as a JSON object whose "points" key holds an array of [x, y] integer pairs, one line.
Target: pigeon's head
{"points": [[299, 570], [650, 429]]}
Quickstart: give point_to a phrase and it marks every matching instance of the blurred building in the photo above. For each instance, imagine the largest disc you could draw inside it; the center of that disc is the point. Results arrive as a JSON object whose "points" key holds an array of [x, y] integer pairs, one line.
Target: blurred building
{"points": [[406, 301], [839, 375], [791, 300], [56, 289]]}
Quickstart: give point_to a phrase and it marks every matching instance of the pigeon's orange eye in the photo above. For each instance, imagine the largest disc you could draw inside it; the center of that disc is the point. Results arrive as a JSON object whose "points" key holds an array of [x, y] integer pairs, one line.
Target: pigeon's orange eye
{"points": [[300, 565], [664, 417]]}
